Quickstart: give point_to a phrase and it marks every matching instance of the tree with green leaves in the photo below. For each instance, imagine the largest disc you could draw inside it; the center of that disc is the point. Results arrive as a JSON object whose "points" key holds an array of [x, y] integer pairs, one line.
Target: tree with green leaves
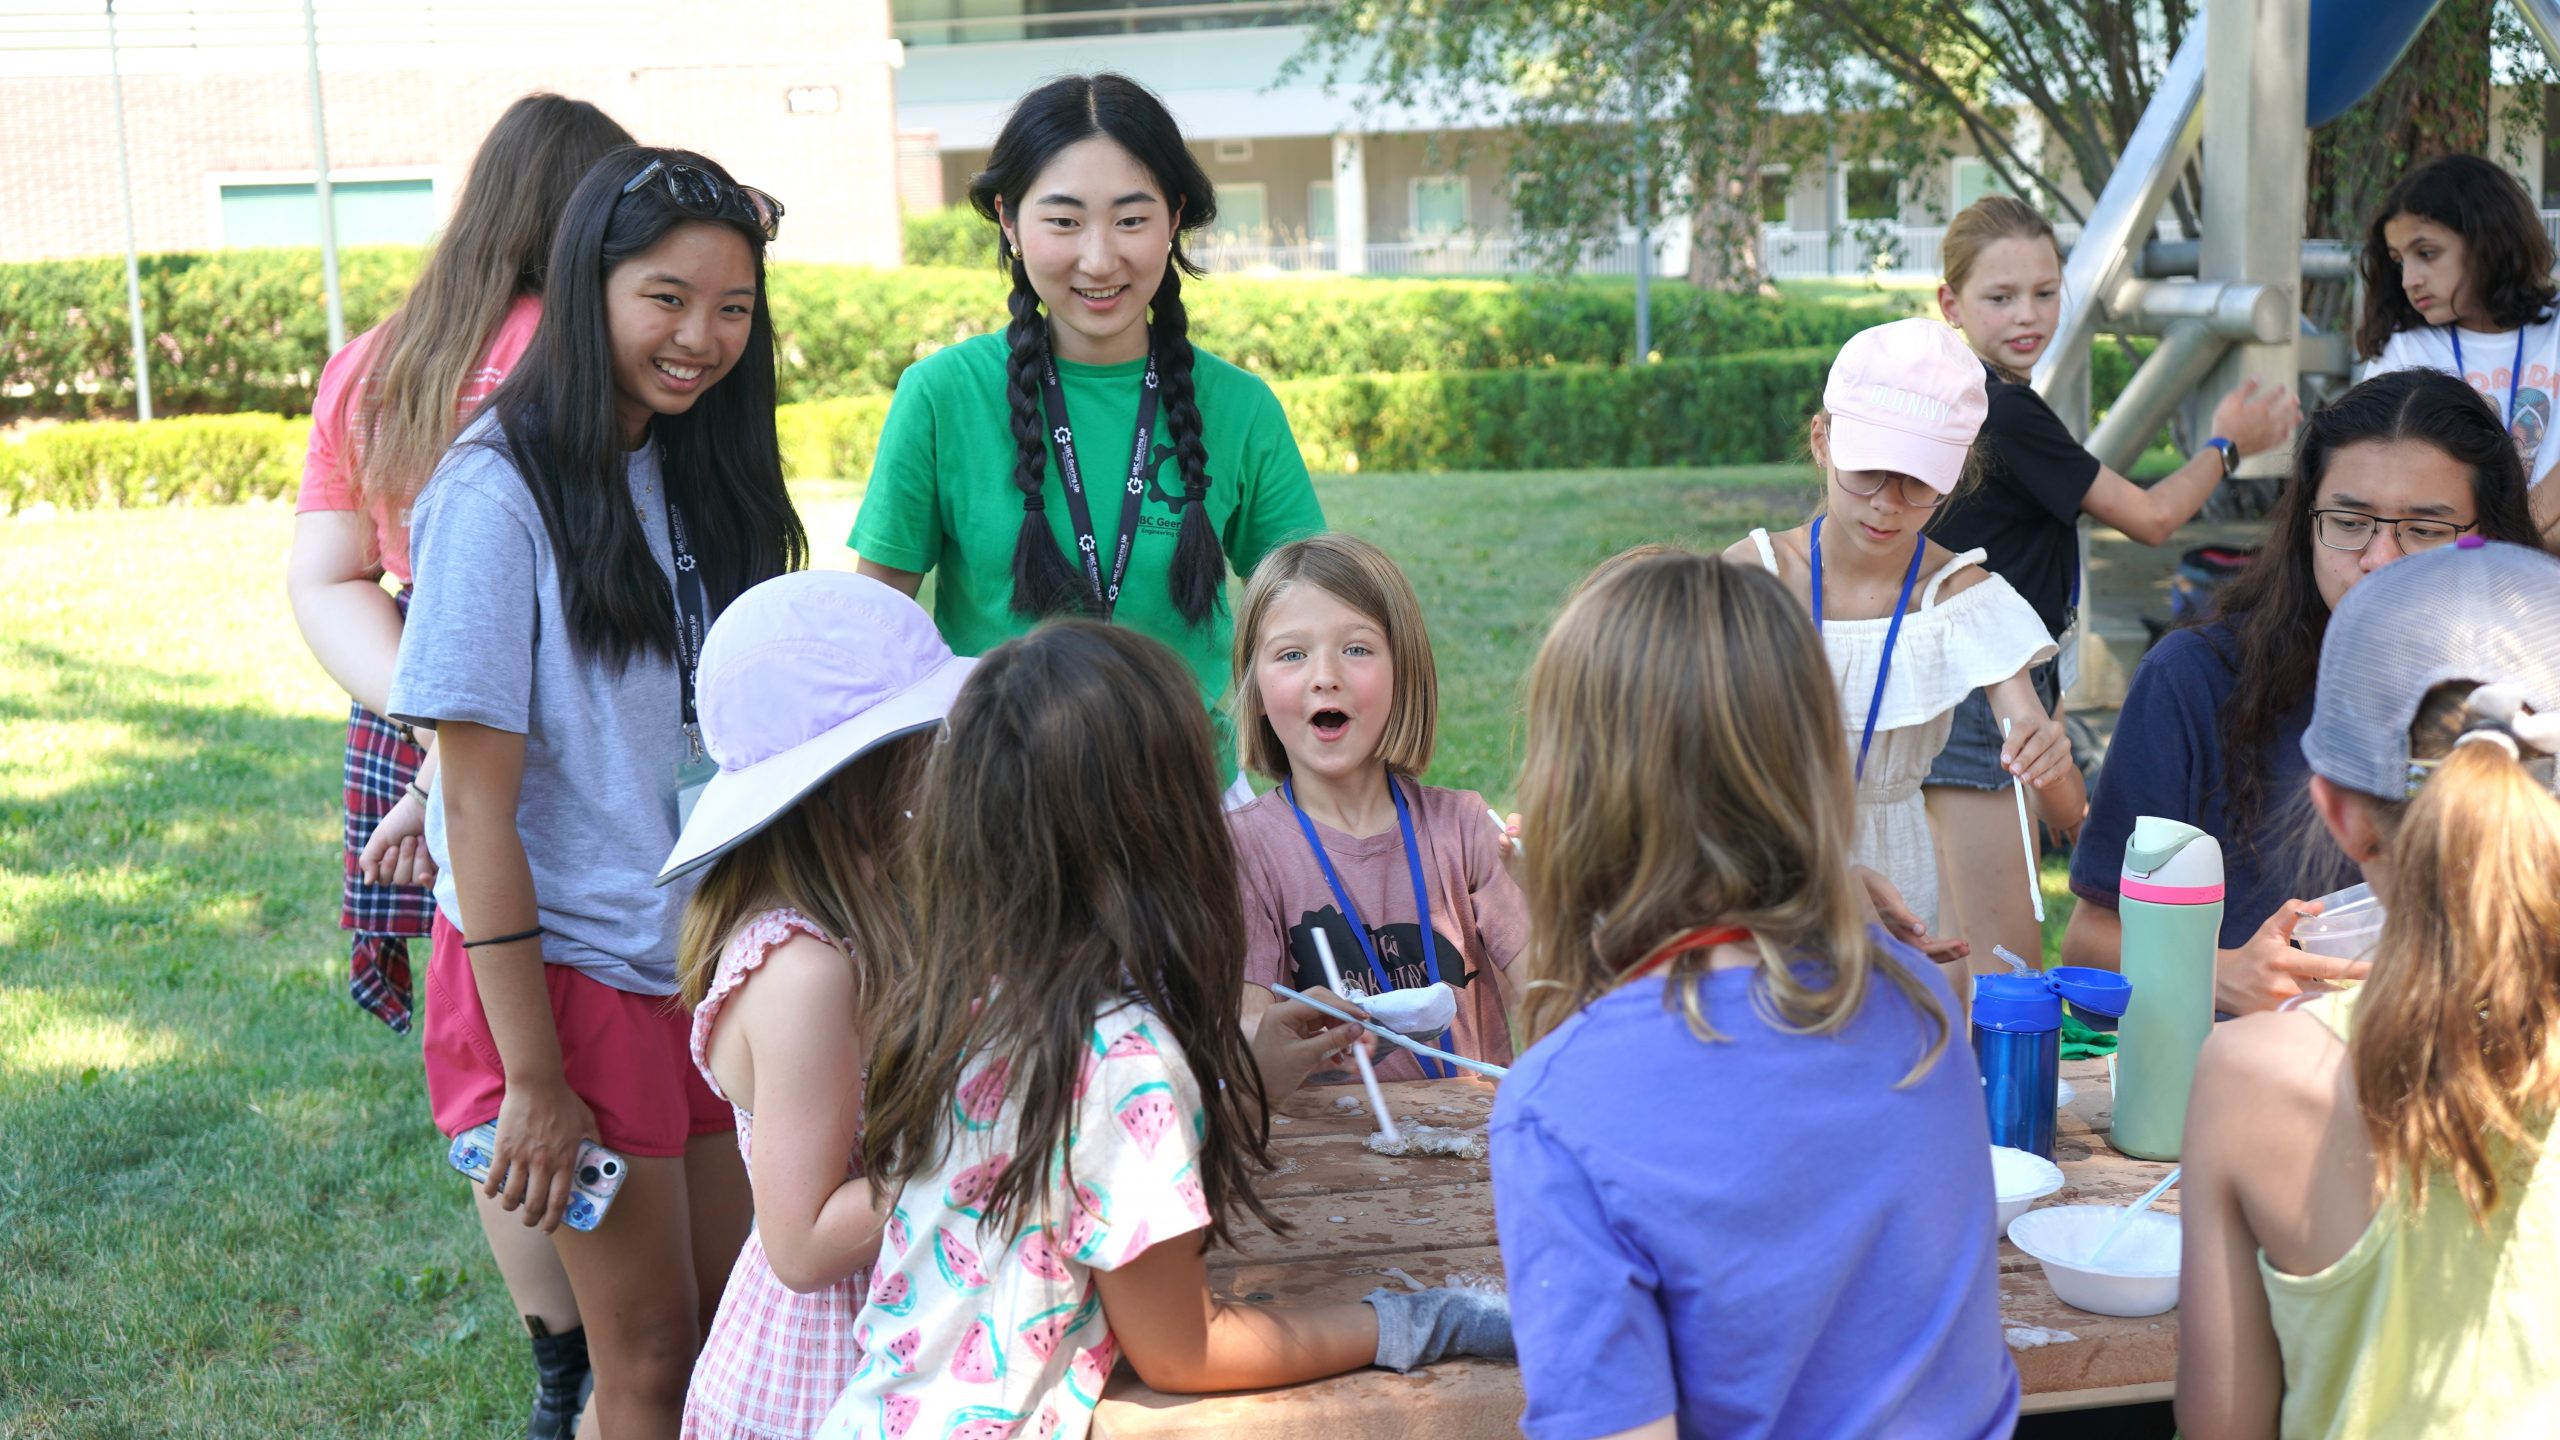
{"points": [[2044, 90]]}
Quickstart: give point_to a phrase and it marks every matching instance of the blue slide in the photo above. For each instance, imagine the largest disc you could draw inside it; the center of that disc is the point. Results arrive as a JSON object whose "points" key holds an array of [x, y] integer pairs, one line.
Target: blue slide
{"points": [[2354, 43]]}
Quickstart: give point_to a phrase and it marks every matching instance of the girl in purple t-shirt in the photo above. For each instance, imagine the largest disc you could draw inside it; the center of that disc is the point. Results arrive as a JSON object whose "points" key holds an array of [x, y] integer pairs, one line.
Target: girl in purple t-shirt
{"points": [[1705, 1166], [1337, 699]]}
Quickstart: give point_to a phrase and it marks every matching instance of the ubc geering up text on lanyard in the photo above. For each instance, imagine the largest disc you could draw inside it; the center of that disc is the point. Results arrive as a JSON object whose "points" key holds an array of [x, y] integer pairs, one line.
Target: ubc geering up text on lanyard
{"points": [[1105, 591], [693, 623]]}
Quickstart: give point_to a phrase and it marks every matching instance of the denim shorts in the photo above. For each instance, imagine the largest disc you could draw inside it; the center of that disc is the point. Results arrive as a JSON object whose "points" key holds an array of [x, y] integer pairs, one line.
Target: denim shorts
{"points": [[1971, 760]]}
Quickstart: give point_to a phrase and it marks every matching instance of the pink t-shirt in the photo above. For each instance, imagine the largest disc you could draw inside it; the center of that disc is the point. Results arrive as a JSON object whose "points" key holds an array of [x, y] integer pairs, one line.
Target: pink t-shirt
{"points": [[334, 451], [1477, 914]]}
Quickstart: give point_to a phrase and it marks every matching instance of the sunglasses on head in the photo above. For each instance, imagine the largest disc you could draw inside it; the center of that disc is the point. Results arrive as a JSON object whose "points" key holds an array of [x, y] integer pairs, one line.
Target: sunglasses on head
{"points": [[697, 191]]}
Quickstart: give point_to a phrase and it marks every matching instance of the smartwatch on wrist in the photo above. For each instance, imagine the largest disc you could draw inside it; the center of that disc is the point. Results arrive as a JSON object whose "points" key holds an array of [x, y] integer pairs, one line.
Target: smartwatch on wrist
{"points": [[2230, 454]]}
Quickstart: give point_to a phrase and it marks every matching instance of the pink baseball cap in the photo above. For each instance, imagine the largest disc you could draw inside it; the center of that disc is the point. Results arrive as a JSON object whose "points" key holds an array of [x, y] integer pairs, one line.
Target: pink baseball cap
{"points": [[1906, 397], [799, 677]]}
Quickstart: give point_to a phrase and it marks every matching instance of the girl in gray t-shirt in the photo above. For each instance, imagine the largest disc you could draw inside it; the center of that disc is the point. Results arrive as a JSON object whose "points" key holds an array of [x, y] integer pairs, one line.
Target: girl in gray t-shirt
{"points": [[570, 552]]}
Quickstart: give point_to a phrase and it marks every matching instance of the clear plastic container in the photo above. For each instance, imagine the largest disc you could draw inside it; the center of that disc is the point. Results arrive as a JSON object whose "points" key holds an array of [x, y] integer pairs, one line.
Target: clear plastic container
{"points": [[2348, 926]]}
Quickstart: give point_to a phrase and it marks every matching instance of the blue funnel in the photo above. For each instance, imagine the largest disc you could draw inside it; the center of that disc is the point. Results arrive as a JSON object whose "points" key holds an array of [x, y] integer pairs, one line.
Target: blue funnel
{"points": [[2354, 43]]}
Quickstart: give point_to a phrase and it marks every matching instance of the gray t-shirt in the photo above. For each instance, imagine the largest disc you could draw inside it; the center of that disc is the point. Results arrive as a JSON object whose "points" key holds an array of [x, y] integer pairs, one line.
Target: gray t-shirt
{"points": [[487, 641]]}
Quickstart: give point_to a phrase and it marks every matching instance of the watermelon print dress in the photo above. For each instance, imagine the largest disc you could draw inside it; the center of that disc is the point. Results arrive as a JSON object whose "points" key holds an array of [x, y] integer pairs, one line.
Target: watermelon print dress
{"points": [[775, 1360], [972, 1336]]}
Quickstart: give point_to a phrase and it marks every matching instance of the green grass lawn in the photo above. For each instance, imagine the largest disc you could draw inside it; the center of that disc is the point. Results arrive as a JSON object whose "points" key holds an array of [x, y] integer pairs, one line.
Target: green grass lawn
{"points": [[223, 1211]]}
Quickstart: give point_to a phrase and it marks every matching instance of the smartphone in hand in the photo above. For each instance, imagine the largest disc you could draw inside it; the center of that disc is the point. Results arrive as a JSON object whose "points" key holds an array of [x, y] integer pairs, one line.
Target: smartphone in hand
{"points": [[591, 1193]]}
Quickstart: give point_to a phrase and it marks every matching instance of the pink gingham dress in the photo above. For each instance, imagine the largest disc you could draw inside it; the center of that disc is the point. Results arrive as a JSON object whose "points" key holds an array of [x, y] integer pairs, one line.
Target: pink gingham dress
{"points": [[775, 1360]]}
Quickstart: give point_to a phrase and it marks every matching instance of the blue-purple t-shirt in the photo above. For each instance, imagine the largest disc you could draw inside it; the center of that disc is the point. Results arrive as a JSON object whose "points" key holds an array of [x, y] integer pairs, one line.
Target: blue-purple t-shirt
{"points": [[2166, 760], [1759, 1235]]}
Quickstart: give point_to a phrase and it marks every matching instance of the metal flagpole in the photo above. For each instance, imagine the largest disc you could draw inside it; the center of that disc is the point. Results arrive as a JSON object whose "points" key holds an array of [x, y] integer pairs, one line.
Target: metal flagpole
{"points": [[132, 259], [320, 187]]}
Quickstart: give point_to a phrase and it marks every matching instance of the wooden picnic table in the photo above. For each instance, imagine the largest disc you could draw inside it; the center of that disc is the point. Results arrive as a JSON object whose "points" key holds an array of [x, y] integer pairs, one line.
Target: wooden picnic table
{"points": [[1357, 1216]]}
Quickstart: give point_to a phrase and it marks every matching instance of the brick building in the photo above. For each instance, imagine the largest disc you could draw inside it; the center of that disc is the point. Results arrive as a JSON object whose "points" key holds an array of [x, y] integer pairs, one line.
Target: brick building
{"points": [[217, 103]]}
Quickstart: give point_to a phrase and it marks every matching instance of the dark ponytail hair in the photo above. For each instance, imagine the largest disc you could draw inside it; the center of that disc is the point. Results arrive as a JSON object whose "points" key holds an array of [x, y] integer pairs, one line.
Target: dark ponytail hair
{"points": [[561, 426], [2274, 608], [2507, 253], [1059, 114]]}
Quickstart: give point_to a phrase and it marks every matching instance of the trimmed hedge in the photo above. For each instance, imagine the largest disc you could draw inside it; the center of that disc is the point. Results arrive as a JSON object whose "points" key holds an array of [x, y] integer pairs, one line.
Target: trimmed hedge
{"points": [[1735, 409], [1730, 410], [197, 460], [245, 330], [954, 235], [238, 330]]}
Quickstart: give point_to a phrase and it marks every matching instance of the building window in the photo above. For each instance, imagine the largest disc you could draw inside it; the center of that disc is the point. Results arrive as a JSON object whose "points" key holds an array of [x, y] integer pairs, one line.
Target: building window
{"points": [[1232, 152], [368, 212], [1870, 194], [1974, 178], [1777, 189], [1320, 220], [1243, 217], [1439, 204]]}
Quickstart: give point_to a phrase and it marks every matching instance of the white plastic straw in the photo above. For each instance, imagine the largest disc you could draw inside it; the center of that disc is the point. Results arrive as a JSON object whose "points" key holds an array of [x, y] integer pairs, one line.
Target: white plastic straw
{"points": [[1392, 1036], [1368, 1072], [2026, 834], [2124, 1222]]}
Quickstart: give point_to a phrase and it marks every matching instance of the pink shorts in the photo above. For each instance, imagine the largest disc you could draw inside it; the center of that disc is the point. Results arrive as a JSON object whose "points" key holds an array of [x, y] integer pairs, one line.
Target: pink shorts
{"points": [[628, 1056]]}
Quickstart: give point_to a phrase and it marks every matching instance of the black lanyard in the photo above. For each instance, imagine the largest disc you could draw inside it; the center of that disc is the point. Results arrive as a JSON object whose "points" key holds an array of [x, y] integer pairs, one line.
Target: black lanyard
{"points": [[1062, 437], [693, 620]]}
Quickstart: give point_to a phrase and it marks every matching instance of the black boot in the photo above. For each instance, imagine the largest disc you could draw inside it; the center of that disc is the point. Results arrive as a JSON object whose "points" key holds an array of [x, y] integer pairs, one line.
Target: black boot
{"points": [[561, 1382]]}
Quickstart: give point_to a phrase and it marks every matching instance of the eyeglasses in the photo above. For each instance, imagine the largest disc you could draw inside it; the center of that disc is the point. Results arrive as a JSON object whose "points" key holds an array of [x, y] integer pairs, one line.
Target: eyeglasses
{"points": [[1915, 492], [2353, 530], [697, 191]]}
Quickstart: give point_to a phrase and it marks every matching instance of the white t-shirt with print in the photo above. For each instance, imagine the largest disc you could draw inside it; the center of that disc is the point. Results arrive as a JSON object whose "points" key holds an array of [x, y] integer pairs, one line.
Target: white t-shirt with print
{"points": [[2489, 366], [970, 1336]]}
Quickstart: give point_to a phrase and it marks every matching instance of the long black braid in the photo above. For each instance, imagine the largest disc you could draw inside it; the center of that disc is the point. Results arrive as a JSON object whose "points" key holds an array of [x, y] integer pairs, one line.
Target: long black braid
{"points": [[1044, 582], [1199, 576]]}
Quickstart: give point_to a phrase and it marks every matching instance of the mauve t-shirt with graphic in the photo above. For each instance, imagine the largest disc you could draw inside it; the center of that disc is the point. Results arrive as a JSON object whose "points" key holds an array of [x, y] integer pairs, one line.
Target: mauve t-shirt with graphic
{"points": [[1477, 913]]}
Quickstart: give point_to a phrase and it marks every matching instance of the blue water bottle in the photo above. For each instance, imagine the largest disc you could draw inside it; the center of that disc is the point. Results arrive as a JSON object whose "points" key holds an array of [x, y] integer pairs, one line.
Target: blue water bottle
{"points": [[2017, 1040]]}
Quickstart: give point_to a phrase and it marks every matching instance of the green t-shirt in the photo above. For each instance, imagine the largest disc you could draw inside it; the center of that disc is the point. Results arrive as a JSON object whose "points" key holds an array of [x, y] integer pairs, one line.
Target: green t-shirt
{"points": [[941, 496]]}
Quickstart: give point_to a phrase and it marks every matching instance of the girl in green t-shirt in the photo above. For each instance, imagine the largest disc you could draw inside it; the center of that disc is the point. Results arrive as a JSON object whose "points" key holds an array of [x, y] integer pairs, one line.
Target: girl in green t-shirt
{"points": [[1088, 460]]}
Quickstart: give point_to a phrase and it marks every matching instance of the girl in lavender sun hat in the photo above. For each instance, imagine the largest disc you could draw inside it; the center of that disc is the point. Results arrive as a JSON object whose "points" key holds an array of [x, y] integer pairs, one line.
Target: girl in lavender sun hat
{"points": [[821, 693]]}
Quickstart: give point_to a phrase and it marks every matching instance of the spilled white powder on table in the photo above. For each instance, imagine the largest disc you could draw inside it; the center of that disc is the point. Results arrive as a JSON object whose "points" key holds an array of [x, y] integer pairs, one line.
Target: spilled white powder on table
{"points": [[2028, 1337], [1431, 1140]]}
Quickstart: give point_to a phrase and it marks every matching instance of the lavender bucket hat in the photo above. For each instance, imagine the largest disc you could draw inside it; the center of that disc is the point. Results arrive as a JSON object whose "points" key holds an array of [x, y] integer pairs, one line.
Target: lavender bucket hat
{"points": [[799, 677]]}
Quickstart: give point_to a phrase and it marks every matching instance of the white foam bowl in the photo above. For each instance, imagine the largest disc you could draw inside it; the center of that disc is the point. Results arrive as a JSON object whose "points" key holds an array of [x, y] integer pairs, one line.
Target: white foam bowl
{"points": [[2020, 1178], [2140, 1274]]}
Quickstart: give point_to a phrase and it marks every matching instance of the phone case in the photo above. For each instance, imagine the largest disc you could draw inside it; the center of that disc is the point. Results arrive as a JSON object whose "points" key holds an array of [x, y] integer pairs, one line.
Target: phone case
{"points": [[599, 1177]]}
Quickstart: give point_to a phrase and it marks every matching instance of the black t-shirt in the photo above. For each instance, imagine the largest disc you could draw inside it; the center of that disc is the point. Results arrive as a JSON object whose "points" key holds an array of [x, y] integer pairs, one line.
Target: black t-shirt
{"points": [[2024, 513]]}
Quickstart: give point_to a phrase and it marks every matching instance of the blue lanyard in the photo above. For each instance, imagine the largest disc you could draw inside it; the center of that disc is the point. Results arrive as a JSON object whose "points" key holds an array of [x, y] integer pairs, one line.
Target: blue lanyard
{"points": [[1351, 912], [1893, 632], [2515, 372]]}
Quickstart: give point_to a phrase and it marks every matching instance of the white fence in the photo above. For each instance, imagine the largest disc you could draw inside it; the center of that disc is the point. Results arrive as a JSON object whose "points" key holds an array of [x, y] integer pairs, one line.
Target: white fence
{"points": [[1440, 255]]}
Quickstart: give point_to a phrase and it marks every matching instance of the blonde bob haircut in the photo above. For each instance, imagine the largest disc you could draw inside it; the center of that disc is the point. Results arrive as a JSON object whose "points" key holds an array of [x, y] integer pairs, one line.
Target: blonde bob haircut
{"points": [[1685, 768], [1361, 576]]}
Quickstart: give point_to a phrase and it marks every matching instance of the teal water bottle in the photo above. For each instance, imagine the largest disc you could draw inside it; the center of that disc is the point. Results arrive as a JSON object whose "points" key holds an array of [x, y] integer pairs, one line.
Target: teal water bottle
{"points": [[2171, 907]]}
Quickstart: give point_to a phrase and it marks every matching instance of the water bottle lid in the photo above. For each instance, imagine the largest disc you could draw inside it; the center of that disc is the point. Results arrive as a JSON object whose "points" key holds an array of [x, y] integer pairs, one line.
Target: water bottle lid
{"points": [[2015, 1003], [2168, 857], [2102, 992]]}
